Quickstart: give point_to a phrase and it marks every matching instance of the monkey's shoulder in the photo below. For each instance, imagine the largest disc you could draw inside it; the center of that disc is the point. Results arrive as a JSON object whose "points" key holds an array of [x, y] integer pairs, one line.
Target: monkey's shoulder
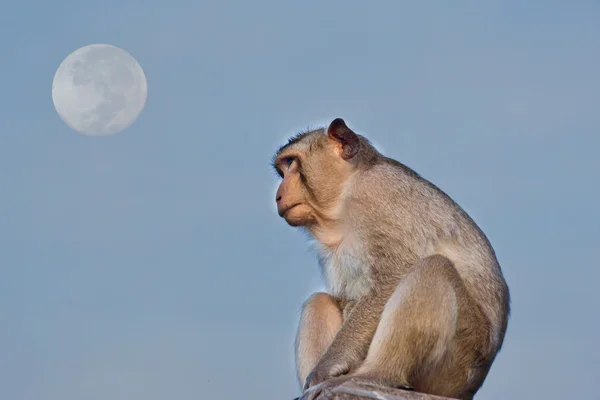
{"points": [[396, 185], [394, 177]]}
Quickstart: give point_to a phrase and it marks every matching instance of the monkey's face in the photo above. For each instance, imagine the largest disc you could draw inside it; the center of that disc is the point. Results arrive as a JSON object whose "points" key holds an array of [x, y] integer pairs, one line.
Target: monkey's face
{"points": [[292, 201], [314, 169]]}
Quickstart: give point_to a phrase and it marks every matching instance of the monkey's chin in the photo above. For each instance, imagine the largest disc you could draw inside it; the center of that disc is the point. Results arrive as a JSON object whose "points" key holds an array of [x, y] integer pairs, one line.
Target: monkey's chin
{"points": [[296, 216]]}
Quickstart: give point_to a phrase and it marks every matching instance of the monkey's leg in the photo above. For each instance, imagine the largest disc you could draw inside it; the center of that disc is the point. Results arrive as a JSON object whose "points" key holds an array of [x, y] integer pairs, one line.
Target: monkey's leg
{"points": [[416, 341], [321, 319]]}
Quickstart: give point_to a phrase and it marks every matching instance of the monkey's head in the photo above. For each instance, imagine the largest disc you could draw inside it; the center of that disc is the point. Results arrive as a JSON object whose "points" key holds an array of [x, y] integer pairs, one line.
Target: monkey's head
{"points": [[314, 166]]}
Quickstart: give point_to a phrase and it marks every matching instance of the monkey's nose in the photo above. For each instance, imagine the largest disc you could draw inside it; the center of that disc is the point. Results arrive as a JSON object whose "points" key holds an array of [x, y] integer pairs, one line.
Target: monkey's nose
{"points": [[278, 198]]}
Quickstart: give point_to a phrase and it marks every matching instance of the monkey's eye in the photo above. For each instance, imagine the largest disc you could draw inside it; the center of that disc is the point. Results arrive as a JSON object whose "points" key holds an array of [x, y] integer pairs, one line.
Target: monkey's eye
{"points": [[290, 161]]}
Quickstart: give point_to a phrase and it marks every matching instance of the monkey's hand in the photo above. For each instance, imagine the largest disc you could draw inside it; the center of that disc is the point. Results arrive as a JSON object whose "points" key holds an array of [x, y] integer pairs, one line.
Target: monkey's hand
{"points": [[325, 370], [324, 389], [351, 344]]}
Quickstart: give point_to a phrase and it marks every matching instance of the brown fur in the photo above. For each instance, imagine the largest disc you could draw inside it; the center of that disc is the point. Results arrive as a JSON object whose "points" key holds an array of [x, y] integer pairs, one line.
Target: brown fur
{"points": [[417, 297]]}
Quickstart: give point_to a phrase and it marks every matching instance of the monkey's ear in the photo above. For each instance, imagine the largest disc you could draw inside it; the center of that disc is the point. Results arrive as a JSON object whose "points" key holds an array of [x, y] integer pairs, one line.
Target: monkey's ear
{"points": [[339, 131]]}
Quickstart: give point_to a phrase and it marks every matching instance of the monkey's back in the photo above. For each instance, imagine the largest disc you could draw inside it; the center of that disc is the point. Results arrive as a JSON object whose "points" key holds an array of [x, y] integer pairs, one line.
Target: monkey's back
{"points": [[409, 218]]}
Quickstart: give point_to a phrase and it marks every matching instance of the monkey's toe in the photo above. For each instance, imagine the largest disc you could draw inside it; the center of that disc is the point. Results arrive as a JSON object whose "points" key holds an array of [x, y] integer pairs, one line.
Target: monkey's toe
{"points": [[324, 390], [379, 384]]}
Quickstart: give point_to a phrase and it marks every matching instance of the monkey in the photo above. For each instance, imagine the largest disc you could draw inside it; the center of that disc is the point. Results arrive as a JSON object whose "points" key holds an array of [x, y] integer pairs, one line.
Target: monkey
{"points": [[416, 297]]}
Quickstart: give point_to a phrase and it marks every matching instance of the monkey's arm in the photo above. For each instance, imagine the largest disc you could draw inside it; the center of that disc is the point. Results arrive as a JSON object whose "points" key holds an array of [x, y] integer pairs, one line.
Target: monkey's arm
{"points": [[346, 305], [351, 344]]}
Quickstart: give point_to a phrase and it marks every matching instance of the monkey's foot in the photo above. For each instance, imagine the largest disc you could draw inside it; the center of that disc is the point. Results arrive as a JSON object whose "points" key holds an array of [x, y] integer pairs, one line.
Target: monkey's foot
{"points": [[328, 389], [323, 391]]}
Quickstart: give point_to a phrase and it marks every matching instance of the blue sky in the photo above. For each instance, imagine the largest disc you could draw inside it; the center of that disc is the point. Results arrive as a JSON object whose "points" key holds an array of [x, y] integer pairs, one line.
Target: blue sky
{"points": [[152, 264]]}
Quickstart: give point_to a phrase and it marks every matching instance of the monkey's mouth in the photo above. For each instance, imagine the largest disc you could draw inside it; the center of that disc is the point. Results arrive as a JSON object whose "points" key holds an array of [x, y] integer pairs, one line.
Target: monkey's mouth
{"points": [[285, 210]]}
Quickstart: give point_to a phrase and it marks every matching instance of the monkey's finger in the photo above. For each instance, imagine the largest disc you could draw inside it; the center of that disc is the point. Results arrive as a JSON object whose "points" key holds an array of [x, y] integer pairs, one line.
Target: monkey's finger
{"points": [[313, 392], [313, 379], [314, 395], [305, 396]]}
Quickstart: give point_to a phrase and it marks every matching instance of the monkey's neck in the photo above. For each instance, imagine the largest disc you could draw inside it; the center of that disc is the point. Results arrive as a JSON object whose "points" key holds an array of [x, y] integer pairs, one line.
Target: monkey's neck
{"points": [[326, 226], [329, 235]]}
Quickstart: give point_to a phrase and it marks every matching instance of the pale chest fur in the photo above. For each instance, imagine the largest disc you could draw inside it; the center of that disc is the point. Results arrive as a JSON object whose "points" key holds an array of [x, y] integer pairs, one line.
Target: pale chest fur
{"points": [[345, 270]]}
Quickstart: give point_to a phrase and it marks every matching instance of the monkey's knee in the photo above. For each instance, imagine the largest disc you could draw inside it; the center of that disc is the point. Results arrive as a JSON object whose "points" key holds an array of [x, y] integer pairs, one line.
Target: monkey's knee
{"points": [[321, 315], [320, 300], [320, 321]]}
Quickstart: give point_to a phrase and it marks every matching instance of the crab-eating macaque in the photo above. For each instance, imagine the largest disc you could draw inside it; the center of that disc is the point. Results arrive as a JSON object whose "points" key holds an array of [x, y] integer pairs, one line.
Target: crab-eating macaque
{"points": [[417, 299]]}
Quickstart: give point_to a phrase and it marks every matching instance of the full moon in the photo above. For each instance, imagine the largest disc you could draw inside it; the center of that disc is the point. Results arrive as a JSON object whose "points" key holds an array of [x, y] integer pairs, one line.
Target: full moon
{"points": [[99, 90]]}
